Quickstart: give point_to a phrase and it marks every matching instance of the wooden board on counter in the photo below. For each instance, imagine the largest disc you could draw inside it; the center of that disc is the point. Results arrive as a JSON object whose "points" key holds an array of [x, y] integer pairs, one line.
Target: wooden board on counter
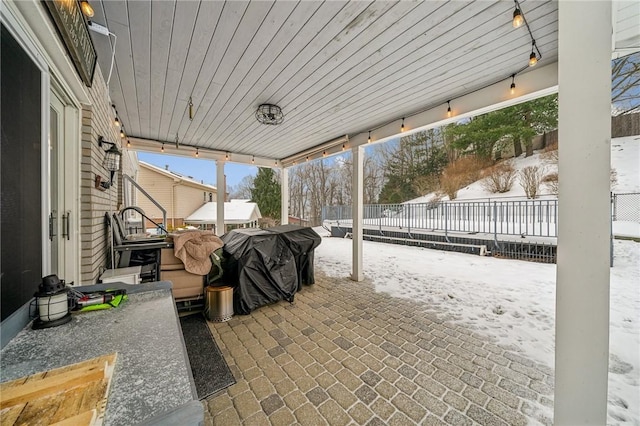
{"points": [[75, 394]]}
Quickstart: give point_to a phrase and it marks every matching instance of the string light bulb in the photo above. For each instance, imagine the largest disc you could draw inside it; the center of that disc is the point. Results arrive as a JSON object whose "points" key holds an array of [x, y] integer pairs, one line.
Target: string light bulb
{"points": [[190, 109], [128, 143], [324, 153], [116, 122], [369, 140], [343, 147], [448, 108], [122, 135], [197, 153], [518, 19], [402, 126], [307, 158], [513, 84], [162, 149], [253, 159], [86, 8], [177, 142], [533, 59]]}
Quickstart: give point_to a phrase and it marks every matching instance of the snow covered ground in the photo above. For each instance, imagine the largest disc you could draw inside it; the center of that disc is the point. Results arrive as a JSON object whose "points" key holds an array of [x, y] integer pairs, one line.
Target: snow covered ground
{"points": [[509, 300]]}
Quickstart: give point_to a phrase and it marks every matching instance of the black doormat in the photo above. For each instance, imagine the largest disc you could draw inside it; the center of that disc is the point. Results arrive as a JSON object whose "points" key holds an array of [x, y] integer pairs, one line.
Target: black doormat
{"points": [[210, 371]]}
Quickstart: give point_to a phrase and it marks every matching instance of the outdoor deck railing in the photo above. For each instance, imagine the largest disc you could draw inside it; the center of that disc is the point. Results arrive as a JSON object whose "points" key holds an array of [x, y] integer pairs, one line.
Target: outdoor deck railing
{"points": [[507, 217]]}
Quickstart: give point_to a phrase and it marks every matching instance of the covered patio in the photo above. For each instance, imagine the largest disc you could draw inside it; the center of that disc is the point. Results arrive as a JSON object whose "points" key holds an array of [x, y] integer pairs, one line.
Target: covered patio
{"points": [[278, 83]]}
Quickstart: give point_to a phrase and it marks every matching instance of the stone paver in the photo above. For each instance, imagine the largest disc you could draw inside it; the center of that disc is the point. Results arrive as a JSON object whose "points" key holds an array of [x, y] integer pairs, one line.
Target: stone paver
{"points": [[344, 354]]}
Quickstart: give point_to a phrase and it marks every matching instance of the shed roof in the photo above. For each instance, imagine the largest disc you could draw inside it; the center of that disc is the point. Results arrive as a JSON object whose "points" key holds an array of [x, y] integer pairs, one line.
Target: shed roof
{"points": [[234, 213]]}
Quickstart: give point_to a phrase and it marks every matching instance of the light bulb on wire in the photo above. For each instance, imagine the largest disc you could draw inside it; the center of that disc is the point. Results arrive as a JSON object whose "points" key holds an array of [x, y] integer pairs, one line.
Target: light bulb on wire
{"points": [[197, 153], [533, 59], [402, 126], [369, 140], [518, 19], [513, 84], [448, 108], [162, 149]]}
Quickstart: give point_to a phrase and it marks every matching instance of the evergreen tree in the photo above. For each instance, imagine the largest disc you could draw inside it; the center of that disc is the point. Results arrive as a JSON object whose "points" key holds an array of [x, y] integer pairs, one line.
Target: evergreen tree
{"points": [[266, 193], [518, 123]]}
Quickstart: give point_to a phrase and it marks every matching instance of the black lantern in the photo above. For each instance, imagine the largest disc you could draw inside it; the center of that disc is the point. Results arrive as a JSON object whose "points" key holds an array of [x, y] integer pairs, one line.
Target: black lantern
{"points": [[111, 161], [52, 306]]}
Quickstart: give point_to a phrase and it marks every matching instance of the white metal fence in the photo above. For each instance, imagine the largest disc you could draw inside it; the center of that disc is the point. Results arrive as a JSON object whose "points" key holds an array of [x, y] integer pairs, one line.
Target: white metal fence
{"points": [[508, 217]]}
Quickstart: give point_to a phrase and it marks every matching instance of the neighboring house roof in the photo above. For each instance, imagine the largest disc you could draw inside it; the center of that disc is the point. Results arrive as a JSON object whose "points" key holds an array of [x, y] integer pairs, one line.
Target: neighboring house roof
{"points": [[178, 177], [234, 213]]}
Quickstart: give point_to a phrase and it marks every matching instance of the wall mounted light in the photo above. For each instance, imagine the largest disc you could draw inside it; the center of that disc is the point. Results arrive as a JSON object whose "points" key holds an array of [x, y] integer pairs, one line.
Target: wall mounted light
{"points": [[111, 162], [513, 84], [86, 8]]}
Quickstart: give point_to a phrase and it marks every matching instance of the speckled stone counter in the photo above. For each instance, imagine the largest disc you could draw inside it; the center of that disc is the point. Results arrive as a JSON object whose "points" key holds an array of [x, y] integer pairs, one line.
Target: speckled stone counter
{"points": [[152, 374]]}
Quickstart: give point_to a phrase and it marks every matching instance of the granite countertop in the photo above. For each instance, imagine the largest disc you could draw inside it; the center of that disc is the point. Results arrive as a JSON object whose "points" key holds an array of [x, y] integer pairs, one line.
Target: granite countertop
{"points": [[152, 375]]}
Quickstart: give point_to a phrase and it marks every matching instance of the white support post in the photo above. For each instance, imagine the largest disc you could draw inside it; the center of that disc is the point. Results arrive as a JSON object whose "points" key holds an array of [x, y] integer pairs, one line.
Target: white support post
{"points": [[357, 201], [582, 285], [221, 190], [284, 196]]}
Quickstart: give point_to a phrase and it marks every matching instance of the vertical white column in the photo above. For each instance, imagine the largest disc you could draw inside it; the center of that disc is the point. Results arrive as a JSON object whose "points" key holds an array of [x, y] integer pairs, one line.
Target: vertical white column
{"points": [[221, 186], [582, 286], [284, 196], [357, 202]]}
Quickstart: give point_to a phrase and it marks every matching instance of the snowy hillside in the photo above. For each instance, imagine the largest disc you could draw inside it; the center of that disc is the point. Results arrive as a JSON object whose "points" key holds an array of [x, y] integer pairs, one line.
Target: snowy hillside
{"points": [[625, 159]]}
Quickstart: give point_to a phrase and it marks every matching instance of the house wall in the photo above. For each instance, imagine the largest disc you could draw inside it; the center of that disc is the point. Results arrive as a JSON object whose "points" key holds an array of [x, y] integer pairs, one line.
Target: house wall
{"points": [[178, 198], [97, 120]]}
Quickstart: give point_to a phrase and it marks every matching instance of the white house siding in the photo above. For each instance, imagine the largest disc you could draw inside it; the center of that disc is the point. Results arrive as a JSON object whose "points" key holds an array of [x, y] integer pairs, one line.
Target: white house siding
{"points": [[96, 121]]}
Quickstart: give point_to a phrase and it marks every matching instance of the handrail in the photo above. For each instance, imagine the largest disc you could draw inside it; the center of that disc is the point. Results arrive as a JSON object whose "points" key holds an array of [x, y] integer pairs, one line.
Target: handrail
{"points": [[146, 194]]}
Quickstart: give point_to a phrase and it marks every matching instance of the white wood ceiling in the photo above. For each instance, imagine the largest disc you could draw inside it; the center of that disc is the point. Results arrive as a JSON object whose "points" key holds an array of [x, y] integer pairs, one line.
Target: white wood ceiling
{"points": [[334, 67]]}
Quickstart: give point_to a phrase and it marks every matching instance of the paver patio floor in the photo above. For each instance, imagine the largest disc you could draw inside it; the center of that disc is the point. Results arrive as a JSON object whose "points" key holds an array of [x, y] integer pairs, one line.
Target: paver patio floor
{"points": [[344, 354]]}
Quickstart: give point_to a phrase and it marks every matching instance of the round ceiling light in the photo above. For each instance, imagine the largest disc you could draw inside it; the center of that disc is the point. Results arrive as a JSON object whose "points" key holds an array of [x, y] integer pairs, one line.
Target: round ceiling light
{"points": [[269, 114]]}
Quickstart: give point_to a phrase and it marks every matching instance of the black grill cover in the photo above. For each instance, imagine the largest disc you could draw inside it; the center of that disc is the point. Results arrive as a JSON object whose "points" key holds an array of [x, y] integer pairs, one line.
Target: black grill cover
{"points": [[302, 241], [262, 264]]}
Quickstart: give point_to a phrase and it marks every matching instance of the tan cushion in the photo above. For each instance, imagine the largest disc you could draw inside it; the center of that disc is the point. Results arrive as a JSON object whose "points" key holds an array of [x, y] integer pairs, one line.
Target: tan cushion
{"points": [[179, 267], [185, 284], [168, 258]]}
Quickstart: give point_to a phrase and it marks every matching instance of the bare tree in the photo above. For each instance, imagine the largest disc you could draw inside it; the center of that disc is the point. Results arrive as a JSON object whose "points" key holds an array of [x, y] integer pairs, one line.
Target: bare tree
{"points": [[625, 82]]}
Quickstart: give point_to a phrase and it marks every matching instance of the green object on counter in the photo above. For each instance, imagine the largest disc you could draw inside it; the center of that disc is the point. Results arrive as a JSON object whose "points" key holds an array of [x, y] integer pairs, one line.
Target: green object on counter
{"points": [[113, 304]]}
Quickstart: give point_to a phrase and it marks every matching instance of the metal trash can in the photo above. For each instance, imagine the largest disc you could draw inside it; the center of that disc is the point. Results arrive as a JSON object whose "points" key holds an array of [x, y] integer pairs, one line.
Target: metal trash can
{"points": [[218, 303]]}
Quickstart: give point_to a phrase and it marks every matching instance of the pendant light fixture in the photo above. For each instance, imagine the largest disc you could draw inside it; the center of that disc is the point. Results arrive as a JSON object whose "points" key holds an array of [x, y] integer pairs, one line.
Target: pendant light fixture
{"points": [[448, 108], [513, 84], [533, 59], [518, 20]]}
